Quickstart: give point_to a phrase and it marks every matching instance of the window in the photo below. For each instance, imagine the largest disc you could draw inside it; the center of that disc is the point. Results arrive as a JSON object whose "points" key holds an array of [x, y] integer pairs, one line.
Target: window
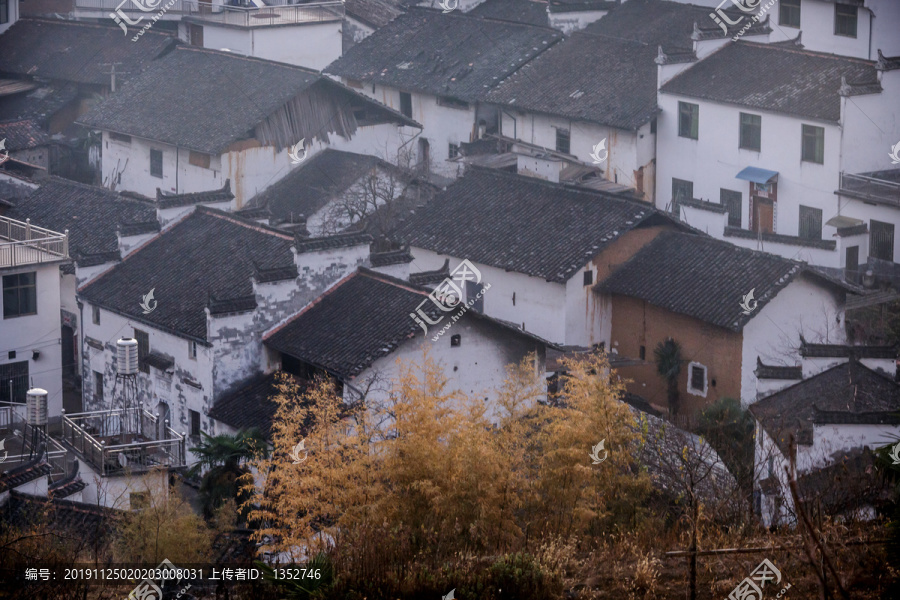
{"points": [[455, 341], [653, 127], [810, 223], [688, 120], [192, 350], [789, 13], [118, 137], [751, 131], [143, 340], [14, 381], [453, 151], [19, 295], [95, 315], [4, 11], [813, 144], [851, 263], [881, 240], [156, 163], [139, 500], [563, 140], [452, 102], [588, 277], [697, 379], [845, 20], [731, 200], [643, 353], [195, 423], [198, 159], [474, 291], [98, 386], [406, 104], [681, 190], [355, 83]]}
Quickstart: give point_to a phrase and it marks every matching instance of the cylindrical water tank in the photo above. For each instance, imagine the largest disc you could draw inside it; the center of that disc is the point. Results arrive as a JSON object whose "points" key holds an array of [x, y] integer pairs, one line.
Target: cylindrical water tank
{"points": [[127, 356], [36, 406]]}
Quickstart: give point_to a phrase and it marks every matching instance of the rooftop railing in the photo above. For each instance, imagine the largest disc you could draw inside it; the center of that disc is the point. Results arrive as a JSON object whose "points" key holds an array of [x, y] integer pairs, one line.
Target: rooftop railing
{"points": [[123, 441], [282, 14], [21, 243], [22, 440], [870, 189]]}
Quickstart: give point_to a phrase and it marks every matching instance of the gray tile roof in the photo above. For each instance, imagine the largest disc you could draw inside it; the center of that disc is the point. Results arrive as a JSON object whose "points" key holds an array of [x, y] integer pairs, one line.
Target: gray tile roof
{"points": [[520, 11], [208, 197], [90, 213], [208, 253], [374, 13], [76, 51], [778, 79], [251, 404], [453, 55], [523, 224], [701, 277], [21, 135], [39, 104], [607, 72], [205, 99]]}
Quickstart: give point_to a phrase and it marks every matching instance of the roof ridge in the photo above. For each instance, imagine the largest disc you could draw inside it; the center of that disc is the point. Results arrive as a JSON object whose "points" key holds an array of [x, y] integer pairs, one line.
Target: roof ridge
{"points": [[183, 47], [796, 50], [242, 221], [391, 280], [723, 243]]}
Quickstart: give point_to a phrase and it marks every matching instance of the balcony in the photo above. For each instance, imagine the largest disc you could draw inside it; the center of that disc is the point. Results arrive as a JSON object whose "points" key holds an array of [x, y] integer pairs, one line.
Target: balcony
{"points": [[878, 187], [266, 16], [102, 8], [22, 440], [24, 244], [123, 441]]}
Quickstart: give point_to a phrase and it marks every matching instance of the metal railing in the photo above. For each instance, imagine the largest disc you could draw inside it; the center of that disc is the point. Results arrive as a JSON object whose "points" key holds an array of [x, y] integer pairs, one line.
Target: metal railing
{"points": [[21, 243], [28, 438], [128, 7], [870, 188], [269, 15], [102, 438]]}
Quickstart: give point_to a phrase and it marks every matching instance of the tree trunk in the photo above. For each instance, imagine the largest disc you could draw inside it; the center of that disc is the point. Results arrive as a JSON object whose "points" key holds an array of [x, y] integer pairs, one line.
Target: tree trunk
{"points": [[694, 542]]}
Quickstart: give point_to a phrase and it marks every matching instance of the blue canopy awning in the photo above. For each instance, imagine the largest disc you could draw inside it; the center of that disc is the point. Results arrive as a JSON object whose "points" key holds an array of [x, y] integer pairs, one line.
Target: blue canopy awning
{"points": [[757, 175]]}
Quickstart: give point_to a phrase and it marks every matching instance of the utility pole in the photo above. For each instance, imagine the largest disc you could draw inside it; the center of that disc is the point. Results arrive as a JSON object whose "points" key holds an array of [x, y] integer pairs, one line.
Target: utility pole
{"points": [[112, 74]]}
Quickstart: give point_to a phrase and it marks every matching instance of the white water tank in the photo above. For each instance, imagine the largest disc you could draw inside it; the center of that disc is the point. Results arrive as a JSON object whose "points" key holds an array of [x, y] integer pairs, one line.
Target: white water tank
{"points": [[127, 356], [36, 407]]}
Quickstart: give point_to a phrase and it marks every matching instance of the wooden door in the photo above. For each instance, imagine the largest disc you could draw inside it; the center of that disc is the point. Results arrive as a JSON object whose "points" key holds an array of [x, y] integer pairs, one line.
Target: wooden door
{"points": [[764, 221], [196, 35]]}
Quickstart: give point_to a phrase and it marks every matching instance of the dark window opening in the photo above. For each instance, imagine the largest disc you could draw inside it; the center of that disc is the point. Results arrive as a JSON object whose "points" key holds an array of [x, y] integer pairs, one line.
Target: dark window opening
{"points": [[881, 240], [474, 293], [688, 120], [845, 18], [98, 386], [156, 169], [95, 314], [813, 144], [125, 139], [751, 132], [563, 140], [452, 102], [455, 340], [643, 352], [681, 190], [19, 295], [4, 11], [192, 350], [588, 277], [698, 378], [810, 223], [195, 423], [406, 104], [789, 13], [14, 382], [732, 202], [653, 127], [851, 265], [453, 151], [143, 340]]}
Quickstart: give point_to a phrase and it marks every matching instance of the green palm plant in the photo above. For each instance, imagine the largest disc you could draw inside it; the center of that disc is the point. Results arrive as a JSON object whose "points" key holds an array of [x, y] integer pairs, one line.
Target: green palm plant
{"points": [[222, 456], [668, 364]]}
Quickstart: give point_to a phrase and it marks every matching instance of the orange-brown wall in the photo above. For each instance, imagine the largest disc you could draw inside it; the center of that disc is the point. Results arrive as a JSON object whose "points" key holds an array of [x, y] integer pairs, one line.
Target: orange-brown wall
{"points": [[636, 323], [624, 248]]}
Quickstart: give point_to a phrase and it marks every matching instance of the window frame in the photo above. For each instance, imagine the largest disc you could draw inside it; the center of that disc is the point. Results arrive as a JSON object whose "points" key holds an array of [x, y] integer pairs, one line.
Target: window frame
{"points": [[677, 182], [692, 111], [4, 14], [588, 278], [819, 150], [192, 350], [192, 421], [563, 140], [690, 379], [846, 17], [452, 150], [875, 224], [153, 172], [143, 349], [791, 10], [726, 197], [804, 216], [406, 104], [95, 314], [743, 143], [19, 374], [18, 288], [98, 386]]}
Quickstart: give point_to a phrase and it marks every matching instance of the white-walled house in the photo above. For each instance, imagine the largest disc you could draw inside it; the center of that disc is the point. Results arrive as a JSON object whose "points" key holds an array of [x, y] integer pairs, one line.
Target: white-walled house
{"points": [[219, 282], [694, 290], [437, 69], [832, 419], [857, 29], [599, 86], [196, 118], [30, 330], [541, 246], [361, 331], [757, 158]]}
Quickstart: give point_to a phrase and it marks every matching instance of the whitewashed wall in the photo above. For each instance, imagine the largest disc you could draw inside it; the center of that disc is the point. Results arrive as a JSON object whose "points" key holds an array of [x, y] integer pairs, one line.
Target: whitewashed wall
{"points": [[115, 492], [817, 25], [310, 45]]}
